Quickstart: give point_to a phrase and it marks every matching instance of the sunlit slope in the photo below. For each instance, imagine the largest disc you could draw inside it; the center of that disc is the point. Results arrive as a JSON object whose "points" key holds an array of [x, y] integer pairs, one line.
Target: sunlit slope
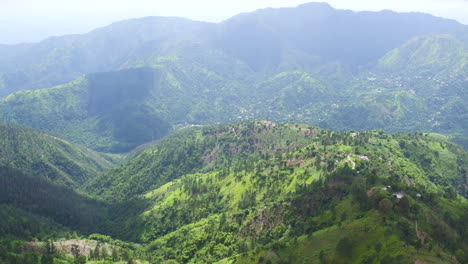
{"points": [[264, 191]]}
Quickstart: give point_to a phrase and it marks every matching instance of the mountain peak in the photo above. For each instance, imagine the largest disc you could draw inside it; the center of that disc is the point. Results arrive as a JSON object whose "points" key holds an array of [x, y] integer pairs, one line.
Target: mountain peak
{"points": [[316, 5]]}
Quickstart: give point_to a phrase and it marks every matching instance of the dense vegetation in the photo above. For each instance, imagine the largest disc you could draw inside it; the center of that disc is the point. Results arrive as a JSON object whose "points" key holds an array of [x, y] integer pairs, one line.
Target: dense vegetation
{"points": [[49, 157], [202, 182], [265, 192], [39, 198], [311, 64], [118, 111], [259, 192]]}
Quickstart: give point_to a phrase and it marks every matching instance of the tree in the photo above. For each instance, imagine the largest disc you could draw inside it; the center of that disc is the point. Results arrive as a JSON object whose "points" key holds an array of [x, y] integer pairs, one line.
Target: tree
{"points": [[461, 256], [96, 253], [75, 250], [92, 256], [125, 254], [31, 258], [385, 206], [104, 253], [80, 260], [322, 256], [404, 204], [115, 255], [50, 248], [47, 259], [344, 247], [17, 246]]}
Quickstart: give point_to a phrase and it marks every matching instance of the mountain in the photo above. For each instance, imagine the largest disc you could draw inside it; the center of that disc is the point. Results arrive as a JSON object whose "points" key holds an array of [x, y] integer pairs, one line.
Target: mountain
{"points": [[117, 111], [58, 60], [353, 38], [36, 213], [39, 179], [49, 157], [441, 54], [261, 191], [202, 180], [40, 197], [262, 39], [336, 69]]}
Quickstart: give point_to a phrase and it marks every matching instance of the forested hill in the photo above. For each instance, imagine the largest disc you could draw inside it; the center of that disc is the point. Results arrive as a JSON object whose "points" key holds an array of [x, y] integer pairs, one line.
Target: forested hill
{"points": [[40, 177], [356, 164], [117, 111], [49, 157], [262, 191]]}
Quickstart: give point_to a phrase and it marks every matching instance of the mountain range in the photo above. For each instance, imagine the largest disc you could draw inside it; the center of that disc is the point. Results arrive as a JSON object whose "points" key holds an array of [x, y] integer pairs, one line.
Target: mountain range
{"points": [[141, 142], [336, 69], [256, 192]]}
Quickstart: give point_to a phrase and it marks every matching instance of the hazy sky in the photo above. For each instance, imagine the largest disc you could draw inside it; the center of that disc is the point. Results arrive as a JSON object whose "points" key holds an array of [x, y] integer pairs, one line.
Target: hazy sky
{"points": [[34, 20]]}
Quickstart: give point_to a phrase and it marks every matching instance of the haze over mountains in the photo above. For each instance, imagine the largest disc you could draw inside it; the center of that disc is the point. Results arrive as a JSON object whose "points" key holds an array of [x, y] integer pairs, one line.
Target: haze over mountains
{"points": [[310, 64], [196, 177], [258, 39]]}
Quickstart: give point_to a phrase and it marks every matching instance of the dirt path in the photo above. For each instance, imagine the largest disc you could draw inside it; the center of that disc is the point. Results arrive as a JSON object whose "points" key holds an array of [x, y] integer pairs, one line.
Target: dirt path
{"points": [[350, 160]]}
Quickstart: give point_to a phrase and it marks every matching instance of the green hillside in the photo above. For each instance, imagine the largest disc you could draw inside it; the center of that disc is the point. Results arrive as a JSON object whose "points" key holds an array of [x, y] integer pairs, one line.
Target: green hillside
{"points": [[440, 54], [117, 111], [261, 191], [270, 193], [140, 142], [49, 157], [52, 201], [40, 177], [342, 70]]}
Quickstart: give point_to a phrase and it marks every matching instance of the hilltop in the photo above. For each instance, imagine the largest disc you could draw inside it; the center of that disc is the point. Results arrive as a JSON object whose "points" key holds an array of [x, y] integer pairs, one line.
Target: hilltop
{"points": [[263, 191]]}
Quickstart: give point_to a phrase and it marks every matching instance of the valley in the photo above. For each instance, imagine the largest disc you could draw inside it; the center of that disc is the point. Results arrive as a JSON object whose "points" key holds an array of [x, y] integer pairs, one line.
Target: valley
{"points": [[261, 191], [284, 135]]}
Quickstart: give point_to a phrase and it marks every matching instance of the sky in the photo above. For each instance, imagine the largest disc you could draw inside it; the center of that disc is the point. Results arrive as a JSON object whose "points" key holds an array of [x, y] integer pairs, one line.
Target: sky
{"points": [[35, 20]]}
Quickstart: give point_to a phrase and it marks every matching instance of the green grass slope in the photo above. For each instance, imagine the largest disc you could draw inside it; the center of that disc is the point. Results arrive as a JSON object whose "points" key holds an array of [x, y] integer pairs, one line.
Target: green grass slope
{"points": [[191, 150], [263, 192], [440, 54]]}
